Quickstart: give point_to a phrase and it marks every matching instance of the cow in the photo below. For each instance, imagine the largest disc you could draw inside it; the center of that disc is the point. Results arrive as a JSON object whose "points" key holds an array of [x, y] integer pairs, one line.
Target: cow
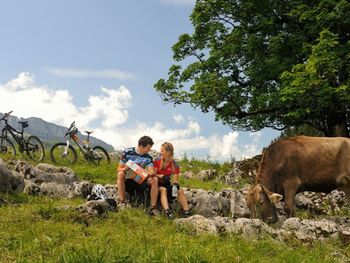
{"points": [[297, 164]]}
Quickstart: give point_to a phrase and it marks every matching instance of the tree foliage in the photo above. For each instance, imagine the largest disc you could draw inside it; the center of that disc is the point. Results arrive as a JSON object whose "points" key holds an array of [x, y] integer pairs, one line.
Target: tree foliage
{"points": [[266, 63]]}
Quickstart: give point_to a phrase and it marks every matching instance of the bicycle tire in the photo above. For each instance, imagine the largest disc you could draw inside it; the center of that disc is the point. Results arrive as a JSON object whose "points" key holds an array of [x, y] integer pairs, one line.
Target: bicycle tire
{"points": [[35, 148], [58, 156], [7, 147], [102, 157]]}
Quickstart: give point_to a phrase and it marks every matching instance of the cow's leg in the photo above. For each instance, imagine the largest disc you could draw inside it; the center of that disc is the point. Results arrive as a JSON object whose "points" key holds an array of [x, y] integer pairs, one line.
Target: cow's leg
{"points": [[290, 190], [344, 185], [346, 190]]}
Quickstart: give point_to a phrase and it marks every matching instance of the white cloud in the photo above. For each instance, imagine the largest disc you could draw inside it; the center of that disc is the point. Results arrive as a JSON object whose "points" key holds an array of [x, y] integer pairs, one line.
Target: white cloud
{"points": [[194, 126], [255, 136], [89, 73], [178, 2], [27, 99], [109, 110], [178, 118], [225, 147]]}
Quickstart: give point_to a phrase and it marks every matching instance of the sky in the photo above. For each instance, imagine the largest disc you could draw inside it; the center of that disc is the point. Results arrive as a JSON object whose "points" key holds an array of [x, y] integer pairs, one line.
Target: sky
{"points": [[96, 63]]}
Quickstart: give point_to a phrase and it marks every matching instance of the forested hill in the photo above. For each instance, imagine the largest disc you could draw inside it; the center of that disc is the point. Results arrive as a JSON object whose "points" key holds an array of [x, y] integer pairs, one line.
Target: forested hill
{"points": [[50, 132]]}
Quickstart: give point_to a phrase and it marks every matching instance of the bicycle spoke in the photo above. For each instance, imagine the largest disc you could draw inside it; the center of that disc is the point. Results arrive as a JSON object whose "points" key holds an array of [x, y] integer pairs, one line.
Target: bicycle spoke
{"points": [[100, 156], [6, 147], [35, 148], [62, 156]]}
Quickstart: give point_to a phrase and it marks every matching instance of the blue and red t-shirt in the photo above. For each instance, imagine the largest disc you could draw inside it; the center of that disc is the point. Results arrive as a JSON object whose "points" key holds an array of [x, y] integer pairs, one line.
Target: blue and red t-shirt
{"points": [[168, 170], [144, 160]]}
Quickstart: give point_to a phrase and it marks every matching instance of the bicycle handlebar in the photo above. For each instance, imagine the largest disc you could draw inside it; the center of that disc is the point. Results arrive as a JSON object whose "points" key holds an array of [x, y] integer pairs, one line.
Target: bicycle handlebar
{"points": [[6, 115], [71, 126]]}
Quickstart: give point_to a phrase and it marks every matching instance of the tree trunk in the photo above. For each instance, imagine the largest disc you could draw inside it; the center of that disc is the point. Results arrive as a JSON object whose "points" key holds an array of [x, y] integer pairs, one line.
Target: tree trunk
{"points": [[337, 125]]}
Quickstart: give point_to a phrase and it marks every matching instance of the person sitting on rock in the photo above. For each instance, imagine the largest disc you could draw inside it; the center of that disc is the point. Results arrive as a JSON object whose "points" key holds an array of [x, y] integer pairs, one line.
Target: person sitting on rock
{"points": [[140, 156], [167, 170]]}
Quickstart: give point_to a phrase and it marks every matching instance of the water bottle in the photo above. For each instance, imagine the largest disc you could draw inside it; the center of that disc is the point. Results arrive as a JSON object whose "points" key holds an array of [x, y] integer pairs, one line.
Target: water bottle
{"points": [[174, 190]]}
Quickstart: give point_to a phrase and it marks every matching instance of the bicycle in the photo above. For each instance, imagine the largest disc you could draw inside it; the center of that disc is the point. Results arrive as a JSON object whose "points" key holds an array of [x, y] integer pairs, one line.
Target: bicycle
{"points": [[32, 146], [64, 153]]}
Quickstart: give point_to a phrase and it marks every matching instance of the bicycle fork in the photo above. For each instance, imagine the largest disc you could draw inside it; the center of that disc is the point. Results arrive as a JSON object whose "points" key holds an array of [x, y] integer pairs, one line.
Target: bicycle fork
{"points": [[66, 147]]}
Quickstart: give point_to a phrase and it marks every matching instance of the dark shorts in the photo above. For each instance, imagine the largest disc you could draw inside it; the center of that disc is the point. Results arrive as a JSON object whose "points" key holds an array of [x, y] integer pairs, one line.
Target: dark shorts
{"points": [[137, 192], [169, 189]]}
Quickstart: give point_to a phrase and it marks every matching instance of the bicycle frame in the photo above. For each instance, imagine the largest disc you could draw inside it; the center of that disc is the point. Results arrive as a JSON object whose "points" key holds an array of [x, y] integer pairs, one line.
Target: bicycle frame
{"points": [[16, 135], [83, 146]]}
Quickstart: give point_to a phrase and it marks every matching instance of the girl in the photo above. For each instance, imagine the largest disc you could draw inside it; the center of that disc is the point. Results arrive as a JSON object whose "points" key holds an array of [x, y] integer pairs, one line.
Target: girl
{"points": [[168, 170]]}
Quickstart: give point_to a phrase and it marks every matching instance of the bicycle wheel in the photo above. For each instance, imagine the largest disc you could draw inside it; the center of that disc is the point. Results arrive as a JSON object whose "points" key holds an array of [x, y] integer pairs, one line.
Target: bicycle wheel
{"points": [[35, 148], [6, 147], [100, 155], [62, 156]]}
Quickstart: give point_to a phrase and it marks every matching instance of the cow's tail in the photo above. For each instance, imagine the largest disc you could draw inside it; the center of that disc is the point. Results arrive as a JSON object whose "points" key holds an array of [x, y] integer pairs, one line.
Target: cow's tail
{"points": [[343, 180]]}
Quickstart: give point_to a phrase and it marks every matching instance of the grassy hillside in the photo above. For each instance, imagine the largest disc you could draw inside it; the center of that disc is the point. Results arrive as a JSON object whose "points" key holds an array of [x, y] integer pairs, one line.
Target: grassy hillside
{"points": [[42, 229]]}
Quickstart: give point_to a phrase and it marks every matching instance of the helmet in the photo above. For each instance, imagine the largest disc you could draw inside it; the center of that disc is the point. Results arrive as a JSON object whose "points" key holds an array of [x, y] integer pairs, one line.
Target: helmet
{"points": [[98, 192]]}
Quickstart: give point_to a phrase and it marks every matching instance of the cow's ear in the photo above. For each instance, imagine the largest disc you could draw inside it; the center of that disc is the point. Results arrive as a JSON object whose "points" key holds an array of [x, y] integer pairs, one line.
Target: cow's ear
{"points": [[246, 191], [274, 198], [259, 188]]}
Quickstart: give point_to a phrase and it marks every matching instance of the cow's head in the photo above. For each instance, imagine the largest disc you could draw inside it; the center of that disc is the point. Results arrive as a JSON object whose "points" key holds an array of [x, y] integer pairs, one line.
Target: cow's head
{"points": [[261, 203]]}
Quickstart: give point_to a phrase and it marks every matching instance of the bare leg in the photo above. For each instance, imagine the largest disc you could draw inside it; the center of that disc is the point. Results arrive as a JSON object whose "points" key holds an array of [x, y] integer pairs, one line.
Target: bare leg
{"points": [[164, 198], [121, 186], [181, 197], [154, 191]]}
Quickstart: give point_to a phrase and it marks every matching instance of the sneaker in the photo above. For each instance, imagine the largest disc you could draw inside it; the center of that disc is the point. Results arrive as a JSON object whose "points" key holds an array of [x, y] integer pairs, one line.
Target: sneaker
{"points": [[187, 213], [169, 214], [123, 205], [154, 211]]}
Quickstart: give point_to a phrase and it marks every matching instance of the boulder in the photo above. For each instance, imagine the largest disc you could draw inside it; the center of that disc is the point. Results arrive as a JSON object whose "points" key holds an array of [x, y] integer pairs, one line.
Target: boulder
{"points": [[198, 223], [99, 208], [209, 203], [321, 203], [187, 174], [49, 173], [56, 190], [112, 191], [206, 175], [251, 228], [82, 189], [10, 182], [24, 168], [31, 188], [238, 204], [234, 176], [308, 230]]}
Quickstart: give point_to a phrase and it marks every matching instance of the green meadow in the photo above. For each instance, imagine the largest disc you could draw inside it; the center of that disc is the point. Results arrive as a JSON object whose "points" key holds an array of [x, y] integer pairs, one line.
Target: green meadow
{"points": [[43, 229]]}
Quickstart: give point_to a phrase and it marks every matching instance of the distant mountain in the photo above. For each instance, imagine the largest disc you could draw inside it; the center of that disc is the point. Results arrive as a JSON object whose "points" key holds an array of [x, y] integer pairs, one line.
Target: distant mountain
{"points": [[50, 133]]}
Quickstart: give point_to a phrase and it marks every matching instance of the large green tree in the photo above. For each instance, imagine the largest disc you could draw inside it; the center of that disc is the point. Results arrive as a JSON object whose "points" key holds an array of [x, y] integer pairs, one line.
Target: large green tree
{"points": [[266, 63]]}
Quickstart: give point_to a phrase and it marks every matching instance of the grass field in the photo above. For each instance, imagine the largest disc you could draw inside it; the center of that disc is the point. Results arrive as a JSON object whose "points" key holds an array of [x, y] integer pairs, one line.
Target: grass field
{"points": [[42, 229]]}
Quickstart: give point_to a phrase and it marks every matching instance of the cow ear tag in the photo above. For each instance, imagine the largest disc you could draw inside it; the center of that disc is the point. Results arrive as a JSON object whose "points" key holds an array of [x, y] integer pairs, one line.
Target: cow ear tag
{"points": [[274, 198]]}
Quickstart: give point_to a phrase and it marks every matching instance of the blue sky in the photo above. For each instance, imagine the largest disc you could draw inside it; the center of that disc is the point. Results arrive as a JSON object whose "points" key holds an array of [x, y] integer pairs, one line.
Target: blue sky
{"points": [[96, 62]]}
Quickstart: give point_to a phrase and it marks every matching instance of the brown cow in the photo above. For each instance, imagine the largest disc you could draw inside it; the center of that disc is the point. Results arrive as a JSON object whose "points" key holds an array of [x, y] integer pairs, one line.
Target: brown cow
{"points": [[298, 164]]}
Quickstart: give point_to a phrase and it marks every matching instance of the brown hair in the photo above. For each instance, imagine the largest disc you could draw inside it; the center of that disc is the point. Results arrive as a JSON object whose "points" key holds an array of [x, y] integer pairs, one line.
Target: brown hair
{"points": [[170, 149], [145, 140]]}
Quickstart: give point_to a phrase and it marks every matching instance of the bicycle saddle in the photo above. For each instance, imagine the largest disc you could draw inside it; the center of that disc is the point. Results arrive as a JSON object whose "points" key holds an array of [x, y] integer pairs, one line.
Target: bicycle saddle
{"points": [[24, 124], [88, 132]]}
